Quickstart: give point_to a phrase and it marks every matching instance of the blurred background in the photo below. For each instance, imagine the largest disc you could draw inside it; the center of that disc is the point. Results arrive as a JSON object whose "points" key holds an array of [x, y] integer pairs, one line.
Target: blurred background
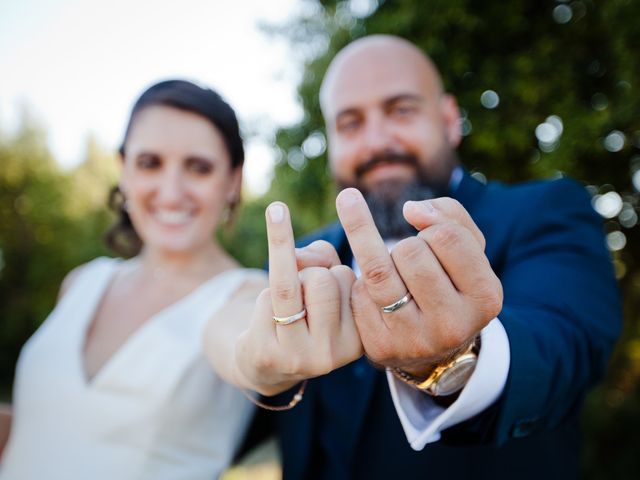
{"points": [[547, 88]]}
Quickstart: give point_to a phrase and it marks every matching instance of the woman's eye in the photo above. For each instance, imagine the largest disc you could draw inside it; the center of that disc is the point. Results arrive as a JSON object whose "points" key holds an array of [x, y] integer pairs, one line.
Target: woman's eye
{"points": [[147, 161], [199, 166]]}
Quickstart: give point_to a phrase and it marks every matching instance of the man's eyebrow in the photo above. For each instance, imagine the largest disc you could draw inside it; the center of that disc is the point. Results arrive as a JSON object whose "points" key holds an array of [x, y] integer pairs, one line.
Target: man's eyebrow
{"points": [[347, 111], [413, 97], [402, 97]]}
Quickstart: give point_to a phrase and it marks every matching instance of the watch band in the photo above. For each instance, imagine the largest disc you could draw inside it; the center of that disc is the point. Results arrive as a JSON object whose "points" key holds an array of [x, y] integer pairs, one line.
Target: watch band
{"points": [[447, 377]]}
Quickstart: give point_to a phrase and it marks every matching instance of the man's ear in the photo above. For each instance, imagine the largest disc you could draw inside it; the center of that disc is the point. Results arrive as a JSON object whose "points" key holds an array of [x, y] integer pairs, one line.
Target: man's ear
{"points": [[451, 116]]}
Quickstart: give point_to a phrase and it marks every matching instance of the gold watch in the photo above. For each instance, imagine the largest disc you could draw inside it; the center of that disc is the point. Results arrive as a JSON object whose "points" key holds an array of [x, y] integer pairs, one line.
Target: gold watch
{"points": [[447, 377]]}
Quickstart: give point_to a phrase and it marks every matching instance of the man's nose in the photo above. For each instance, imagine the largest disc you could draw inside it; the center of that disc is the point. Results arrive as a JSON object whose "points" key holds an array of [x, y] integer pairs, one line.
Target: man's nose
{"points": [[377, 136]]}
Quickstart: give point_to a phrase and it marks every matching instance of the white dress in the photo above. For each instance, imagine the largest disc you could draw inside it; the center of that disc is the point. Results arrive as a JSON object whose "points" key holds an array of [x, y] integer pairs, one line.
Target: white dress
{"points": [[155, 410]]}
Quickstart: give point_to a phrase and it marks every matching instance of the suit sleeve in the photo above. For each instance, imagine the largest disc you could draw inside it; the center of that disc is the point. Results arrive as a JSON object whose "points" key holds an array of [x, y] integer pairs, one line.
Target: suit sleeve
{"points": [[561, 312]]}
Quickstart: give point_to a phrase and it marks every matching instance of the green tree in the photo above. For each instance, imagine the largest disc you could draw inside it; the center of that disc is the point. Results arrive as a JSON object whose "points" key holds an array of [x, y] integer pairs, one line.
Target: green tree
{"points": [[50, 222]]}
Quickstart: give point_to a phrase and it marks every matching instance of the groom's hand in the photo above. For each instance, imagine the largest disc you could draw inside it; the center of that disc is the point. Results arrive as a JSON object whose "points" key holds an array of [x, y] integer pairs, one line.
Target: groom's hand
{"points": [[455, 292], [274, 356]]}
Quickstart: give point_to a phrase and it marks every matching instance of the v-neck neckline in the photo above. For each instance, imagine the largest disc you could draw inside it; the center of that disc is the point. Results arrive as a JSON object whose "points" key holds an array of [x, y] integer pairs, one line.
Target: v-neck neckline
{"points": [[135, 336]]}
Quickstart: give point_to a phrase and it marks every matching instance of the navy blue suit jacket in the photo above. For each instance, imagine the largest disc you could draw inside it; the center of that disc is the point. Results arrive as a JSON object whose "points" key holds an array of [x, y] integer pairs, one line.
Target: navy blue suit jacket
{"points": [[562, 315]]}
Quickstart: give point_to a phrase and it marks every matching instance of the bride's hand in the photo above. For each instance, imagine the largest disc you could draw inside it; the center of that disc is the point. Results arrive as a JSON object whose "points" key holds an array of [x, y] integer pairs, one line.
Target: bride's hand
{"points": [[272, 356]]}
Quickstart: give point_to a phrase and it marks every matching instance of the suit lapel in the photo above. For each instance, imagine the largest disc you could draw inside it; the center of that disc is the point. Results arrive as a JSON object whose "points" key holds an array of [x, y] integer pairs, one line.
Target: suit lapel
{"points": [[468, 192]]}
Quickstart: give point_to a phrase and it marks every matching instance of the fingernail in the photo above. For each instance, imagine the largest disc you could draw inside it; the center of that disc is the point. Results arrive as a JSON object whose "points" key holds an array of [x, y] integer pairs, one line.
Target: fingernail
{"points": [[428, 206], [349, 197], [276, 212], [423, 206]]}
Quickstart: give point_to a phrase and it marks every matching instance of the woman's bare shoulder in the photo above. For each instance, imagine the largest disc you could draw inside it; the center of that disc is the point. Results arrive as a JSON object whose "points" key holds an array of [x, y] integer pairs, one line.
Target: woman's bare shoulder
{"points": [[70, 278], [255, 281]]}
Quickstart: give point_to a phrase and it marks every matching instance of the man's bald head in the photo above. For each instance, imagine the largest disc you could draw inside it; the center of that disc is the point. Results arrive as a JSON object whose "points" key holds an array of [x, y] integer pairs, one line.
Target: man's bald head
{"points": [[391, 130], [375, 58]]}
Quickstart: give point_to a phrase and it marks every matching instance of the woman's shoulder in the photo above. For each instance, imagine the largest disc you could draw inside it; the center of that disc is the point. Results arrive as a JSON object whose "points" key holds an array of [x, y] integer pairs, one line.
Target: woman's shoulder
{"points": [[74, 275], [252, 282]]}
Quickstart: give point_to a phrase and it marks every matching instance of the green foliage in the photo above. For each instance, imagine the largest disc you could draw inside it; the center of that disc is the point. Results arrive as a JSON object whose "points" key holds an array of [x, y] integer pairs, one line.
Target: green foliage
{"points": [[582, 68], [50, 222]]}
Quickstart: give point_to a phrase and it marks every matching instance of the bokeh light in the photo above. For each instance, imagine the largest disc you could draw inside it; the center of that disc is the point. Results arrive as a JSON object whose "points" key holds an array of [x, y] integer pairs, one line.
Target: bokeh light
{"points": [[548, 133], [628, 217], [465, 124], [614, 142], [489, 99], [363, 8], [635, 180], [608, 205], [562, 14], [599, 101], [296, 159], [314, 145], [616, 241]]}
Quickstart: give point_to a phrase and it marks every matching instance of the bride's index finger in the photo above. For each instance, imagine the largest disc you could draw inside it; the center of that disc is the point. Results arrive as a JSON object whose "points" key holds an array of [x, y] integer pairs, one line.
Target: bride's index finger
{"points": [[284, 284]]}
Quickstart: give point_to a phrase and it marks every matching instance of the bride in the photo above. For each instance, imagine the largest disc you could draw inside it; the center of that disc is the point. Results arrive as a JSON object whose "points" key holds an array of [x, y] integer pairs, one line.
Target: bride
{"points": [[114, 384]]}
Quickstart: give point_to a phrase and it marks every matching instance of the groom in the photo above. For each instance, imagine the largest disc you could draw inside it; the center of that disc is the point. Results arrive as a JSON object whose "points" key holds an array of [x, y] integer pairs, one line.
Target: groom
{"points": [[493, 321]]}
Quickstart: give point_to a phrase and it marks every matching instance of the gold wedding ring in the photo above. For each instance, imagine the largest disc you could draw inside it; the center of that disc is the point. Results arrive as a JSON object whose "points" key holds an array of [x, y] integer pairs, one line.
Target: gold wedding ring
{"points": [[399, 304], [291, 318]]}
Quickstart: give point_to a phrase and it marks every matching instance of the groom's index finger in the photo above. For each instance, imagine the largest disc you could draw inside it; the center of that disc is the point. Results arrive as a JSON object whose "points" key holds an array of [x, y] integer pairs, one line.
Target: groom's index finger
{"points": [[377, 267], [284, 284]]}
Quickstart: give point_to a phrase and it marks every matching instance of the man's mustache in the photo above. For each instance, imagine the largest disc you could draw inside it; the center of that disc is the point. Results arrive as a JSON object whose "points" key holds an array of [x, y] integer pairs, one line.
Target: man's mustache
{"points": [[386, 158]]}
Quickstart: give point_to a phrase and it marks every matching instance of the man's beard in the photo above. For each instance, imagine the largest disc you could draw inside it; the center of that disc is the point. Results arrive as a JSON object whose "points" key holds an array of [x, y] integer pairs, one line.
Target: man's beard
{"points": [[386, 202], [388, 197]]}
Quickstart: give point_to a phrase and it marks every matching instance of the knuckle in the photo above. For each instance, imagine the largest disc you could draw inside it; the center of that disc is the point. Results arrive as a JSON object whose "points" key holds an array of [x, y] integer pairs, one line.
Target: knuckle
{"points": [[292, 365], [447, 235], [450, 205], [492, 301], [342, 271], [410, 249], [454, 204], [279, 239], [355, 225], [376, 272], [263, 360], [321, 246], [318, 278], [285, 292], [481, 240]]}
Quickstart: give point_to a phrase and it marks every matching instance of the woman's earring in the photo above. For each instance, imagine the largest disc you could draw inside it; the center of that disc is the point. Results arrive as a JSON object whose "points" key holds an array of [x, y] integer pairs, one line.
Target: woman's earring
{"points": [[229, 209]]}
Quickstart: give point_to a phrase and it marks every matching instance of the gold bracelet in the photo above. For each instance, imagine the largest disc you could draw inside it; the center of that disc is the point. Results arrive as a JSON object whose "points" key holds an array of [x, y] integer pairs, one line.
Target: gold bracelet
{"points": [[294, 401]]}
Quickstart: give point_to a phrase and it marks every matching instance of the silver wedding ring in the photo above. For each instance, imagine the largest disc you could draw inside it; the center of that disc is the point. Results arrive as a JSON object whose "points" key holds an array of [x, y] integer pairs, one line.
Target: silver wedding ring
{"points": [[291, 318], [399, 304]]}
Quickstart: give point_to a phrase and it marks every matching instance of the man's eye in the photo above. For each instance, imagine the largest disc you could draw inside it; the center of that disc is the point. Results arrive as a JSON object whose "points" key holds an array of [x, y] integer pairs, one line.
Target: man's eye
{"points": [[348, 125], [403, 109]]}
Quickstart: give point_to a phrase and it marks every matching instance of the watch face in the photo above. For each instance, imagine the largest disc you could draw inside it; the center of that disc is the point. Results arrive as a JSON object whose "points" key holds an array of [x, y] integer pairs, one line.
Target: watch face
{"points": [[454, 378]]}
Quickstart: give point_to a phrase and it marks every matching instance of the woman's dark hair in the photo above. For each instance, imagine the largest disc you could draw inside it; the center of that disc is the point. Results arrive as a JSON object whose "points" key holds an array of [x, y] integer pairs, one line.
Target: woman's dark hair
{"points": [[183, 95]]}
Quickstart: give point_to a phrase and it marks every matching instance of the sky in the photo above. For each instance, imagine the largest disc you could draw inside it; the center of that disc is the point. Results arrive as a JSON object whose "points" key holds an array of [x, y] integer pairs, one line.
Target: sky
{"points": [[78, 66]]}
